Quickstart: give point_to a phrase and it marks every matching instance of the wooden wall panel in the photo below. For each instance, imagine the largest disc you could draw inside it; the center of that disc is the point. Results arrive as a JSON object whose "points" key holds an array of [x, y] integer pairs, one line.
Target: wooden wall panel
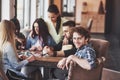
{"points": [[58, 3], [92, 12]]}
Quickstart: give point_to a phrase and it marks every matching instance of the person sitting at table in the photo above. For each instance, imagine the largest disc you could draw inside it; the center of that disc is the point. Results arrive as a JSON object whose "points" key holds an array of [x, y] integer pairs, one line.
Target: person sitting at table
{"points": [[84, 55], [37, 39], [66, 32], [10, 57], [39, 36], [54, 23], [66, 42], [19, 37]]}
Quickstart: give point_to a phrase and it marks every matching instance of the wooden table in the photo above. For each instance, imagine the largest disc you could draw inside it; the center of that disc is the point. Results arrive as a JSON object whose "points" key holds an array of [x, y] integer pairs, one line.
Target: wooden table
{"points": [[47, 63]]}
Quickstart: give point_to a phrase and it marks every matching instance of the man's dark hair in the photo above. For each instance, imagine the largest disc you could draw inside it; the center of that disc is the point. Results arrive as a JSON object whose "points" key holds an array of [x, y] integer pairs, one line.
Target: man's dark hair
{"points": [[69, 23], [82, 31], [16, 22]]}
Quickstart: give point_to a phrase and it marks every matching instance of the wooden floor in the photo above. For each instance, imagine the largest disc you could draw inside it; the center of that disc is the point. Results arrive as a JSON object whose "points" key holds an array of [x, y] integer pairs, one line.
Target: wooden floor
{"points": [[109, 74]]}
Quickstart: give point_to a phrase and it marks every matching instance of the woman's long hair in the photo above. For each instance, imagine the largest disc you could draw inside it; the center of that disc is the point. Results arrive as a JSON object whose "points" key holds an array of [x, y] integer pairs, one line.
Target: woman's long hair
{"points": [[43, 30], [7, 34]]}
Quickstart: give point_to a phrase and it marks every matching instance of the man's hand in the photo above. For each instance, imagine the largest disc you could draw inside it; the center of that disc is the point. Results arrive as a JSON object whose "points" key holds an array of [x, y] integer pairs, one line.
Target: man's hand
{"points": [[65, 41], [48, 50], [69, 59], [61, 63]]}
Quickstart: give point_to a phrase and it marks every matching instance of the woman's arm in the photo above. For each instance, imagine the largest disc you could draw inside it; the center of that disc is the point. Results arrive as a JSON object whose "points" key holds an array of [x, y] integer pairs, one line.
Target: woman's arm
{"points": [[13, 59], [51, 52]]}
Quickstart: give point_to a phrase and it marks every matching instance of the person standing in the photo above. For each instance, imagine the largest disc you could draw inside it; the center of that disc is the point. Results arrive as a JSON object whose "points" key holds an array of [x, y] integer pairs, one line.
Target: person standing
{"points": [[54, 23]]}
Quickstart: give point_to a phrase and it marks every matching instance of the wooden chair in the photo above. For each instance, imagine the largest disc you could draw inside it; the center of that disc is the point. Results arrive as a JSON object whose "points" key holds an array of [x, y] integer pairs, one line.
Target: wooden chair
{"points": [[89, 24], [78, 73]]}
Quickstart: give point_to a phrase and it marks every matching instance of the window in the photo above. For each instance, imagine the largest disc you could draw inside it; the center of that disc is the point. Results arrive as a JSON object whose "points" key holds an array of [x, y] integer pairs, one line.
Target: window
{"points": [[29, 10], [0, 10], [20, 12], [68, 7], [40, 8]]}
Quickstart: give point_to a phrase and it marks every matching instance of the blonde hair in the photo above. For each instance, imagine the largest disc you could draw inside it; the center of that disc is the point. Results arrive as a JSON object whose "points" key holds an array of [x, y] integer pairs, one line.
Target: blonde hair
{"points": [[7, 29]]}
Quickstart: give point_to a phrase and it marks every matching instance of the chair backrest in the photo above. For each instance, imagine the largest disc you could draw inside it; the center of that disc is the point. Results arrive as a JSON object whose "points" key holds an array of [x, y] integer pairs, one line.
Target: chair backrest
{"points": [[101, 46], [89, 24], [78, 73], [25, 32]]}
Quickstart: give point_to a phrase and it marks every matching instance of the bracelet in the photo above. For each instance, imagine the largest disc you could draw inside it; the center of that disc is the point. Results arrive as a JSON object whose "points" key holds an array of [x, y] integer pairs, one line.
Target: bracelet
{"points": [[55, 54]]}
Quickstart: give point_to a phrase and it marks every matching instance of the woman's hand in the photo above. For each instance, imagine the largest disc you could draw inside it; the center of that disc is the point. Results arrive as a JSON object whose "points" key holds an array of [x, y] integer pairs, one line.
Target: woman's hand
{"points": [[61, 63], [22, 57], [33, 48], [39, 48], [31, 58]]}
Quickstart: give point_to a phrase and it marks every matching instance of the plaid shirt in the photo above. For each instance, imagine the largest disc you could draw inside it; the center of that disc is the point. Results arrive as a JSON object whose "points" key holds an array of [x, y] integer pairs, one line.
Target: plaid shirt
{"points": [[88, 53]]}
